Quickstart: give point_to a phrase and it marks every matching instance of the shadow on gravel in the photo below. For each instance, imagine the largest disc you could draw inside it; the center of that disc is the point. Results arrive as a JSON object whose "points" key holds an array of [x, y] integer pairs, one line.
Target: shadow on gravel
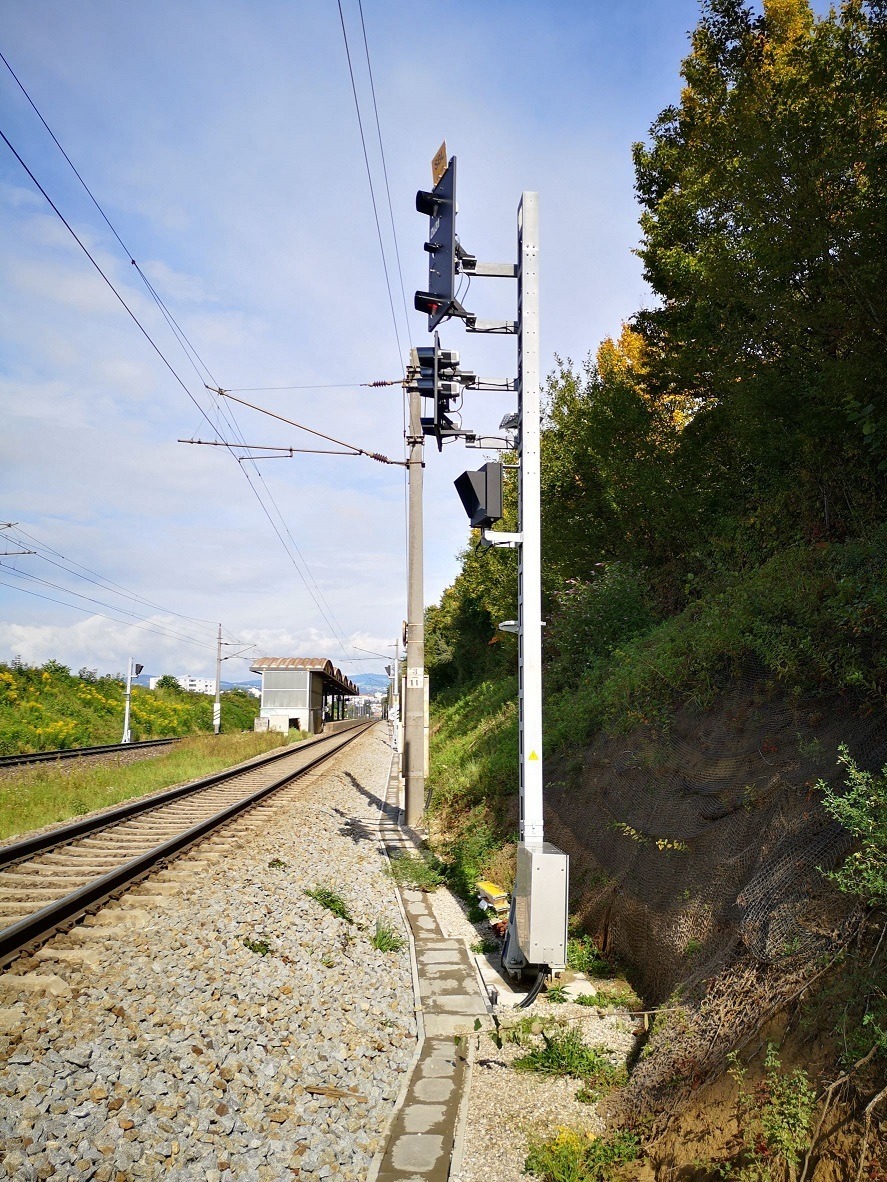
{"points": [[352, 827]]}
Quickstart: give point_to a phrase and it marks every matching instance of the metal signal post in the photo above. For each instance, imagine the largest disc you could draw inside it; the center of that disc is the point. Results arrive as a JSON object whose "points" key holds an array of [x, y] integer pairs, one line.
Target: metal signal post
{"points": [[537, 927], [529, 522]]}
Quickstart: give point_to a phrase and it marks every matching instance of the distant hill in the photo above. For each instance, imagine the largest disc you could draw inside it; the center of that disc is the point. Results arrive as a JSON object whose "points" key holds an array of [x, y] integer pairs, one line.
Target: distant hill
{"points": [[371, 683]]}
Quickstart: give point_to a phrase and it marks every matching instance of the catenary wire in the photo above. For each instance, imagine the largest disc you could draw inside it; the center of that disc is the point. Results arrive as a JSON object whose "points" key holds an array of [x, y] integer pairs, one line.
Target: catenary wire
{"points": [[100, 580], [189, 349], [366, 47], [122, 611], [91, 612], [370, 180], [403, 401], [163, 358], [177, 329]]}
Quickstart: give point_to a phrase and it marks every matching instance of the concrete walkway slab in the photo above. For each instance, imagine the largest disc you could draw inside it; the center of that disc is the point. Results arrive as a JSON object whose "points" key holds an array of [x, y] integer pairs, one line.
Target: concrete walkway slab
{"points": [[422, 1134]]}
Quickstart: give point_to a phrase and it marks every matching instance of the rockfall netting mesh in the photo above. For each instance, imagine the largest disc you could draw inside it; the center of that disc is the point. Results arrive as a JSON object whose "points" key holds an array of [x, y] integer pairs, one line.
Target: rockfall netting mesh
{"points": [[702, 837]]}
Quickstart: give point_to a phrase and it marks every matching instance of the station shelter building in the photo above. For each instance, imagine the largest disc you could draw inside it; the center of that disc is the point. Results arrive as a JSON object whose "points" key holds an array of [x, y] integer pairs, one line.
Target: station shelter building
{"points": [[301, 693]]}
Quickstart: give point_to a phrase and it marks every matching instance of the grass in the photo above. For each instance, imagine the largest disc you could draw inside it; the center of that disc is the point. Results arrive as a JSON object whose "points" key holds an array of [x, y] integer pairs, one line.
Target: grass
{"points": [[421, 871], [385, 938], [557, 994], [44, 794], [260, 947], [328, 898], [46, 707]]}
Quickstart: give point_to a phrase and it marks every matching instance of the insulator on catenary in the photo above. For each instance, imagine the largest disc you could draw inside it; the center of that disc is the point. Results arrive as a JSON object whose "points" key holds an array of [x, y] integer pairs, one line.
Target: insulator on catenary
{"points": [[396, 382]]}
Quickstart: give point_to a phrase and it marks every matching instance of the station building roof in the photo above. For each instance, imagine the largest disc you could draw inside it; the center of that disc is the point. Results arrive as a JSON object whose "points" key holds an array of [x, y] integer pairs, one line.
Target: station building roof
{"points": [[334, 679]]}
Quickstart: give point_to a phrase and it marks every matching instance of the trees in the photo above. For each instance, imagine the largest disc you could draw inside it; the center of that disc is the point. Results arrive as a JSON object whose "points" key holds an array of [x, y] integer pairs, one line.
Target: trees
{"points": [[764, 221], [745, 412]]}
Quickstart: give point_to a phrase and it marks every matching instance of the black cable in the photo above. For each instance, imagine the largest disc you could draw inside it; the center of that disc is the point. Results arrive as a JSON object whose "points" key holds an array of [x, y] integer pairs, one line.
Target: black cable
{"points": [[534, 992], [170, 318], [366, 47], [119, 297], [100, 580], [370, 180]]}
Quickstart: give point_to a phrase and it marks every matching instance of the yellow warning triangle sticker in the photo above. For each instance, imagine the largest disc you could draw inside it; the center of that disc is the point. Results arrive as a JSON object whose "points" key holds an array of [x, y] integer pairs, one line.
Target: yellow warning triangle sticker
{"points": [[532, 755]]}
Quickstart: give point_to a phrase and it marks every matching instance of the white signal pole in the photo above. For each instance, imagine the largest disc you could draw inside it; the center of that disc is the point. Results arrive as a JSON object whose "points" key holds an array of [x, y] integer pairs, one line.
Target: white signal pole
{"points": [[217, 705], [529, 522], [127, 737]]}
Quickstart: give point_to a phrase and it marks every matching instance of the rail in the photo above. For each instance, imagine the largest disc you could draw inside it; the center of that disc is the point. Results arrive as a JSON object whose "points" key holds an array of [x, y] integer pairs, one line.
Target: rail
{"points": [[78, 752], [41, 924]]}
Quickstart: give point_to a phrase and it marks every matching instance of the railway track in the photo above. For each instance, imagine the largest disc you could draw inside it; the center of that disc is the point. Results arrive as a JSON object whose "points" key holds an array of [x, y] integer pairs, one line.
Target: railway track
{"points": [[51, 879], [83, 752]]}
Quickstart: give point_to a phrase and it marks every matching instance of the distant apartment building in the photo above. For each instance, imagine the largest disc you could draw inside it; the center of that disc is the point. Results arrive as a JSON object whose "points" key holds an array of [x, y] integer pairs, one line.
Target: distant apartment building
{"points": [[194, 685]]}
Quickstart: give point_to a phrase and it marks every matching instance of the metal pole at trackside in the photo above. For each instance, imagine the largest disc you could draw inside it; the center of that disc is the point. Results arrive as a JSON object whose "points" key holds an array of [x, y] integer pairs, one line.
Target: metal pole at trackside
{"points": [[529, 523]]}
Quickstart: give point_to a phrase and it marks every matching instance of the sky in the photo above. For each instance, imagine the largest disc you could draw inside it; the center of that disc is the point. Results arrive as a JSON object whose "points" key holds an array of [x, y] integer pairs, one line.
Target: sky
{"points": [[221, 140]]}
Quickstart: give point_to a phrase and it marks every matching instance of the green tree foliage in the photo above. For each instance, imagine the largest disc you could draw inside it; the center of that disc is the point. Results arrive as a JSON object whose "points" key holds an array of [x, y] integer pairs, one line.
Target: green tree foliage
{"points": [[742, 414], [764, 222]]}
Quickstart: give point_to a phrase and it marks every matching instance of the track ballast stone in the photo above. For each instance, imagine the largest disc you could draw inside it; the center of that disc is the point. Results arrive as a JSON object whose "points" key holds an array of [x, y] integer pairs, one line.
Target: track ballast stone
{"points": [[182, 1053]]}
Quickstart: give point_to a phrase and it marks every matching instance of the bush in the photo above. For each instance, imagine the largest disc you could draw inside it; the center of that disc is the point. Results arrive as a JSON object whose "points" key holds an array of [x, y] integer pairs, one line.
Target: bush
{"points": [[593, 618], [862, 809], [572, 1156]]}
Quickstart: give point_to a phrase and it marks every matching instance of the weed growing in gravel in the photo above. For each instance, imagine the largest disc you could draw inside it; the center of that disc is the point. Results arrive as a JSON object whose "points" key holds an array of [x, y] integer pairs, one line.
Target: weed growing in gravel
{"points": [[262, 947], [573, 1156], [385, 938], [278, 864], [564, 1053], [485, 946], [624, 998], [557, 994], [328, 898], [583, 957], [419, 871]]}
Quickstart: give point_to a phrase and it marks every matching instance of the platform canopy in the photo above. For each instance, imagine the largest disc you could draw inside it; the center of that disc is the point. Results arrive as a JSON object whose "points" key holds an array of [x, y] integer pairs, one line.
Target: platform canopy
{"points": [[334, 680]]}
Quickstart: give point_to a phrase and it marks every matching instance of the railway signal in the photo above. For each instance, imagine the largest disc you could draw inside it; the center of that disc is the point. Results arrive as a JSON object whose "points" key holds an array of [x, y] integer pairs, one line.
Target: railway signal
{"points": [[440, 380], [481, 494], [537, 926], [132, 670], [444, 250]]}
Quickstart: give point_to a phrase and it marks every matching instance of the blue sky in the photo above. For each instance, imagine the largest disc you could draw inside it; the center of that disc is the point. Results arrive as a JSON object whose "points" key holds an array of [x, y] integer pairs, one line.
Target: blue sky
{"points": [[221, 140]]}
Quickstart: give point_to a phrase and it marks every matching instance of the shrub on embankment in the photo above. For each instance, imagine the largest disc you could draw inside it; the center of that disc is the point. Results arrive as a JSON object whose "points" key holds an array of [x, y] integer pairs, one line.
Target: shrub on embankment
{"points": [[47, 707]]}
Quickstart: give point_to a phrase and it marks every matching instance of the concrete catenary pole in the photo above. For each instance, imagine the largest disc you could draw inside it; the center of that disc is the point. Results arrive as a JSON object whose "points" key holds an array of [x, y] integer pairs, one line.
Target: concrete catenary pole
{"points": [[414, 706], [217, 705]]}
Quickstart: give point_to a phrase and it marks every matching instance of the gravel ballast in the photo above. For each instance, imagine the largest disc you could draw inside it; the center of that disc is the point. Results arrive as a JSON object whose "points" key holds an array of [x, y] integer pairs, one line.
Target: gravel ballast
{"points": [[216, 1023]]}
